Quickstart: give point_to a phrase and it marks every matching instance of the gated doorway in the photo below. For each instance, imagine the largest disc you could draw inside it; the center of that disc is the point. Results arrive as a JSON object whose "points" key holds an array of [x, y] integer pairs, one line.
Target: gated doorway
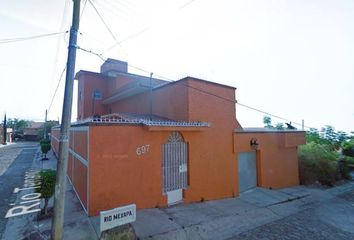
{"points": [[247, 171], [174, 168]]}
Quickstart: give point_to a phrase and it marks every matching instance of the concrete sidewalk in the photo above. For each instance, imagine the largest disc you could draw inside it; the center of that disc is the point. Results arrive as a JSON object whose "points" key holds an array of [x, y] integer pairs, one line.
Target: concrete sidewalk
{"points": [[223, 219], [219, 219], [76, 223]]}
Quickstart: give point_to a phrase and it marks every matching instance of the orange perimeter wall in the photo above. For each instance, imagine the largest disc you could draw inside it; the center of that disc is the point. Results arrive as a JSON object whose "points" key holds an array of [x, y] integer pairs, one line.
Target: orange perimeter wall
{"points": [[77, 170], [118, 176], [277, 156]]}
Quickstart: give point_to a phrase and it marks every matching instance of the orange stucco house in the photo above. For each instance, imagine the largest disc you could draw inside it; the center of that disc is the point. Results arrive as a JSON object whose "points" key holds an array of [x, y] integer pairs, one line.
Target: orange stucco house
{"points": [[155, 143]]}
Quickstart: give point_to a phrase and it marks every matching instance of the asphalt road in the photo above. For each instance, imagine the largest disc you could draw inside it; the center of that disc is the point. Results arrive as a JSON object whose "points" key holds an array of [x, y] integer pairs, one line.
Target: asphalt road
{"points": [[333, 219], [13, 175], [300, 226]]}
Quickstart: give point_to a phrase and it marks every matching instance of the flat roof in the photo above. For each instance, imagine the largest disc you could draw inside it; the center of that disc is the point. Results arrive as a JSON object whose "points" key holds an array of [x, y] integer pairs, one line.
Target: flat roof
{"points": [[195, 79], [266, 130], [138, 119]]}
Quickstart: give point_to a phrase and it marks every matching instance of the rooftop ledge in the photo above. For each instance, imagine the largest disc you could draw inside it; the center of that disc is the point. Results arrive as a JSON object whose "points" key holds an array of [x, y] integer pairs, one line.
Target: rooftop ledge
{"points": [[266, 130], [151, 122]]}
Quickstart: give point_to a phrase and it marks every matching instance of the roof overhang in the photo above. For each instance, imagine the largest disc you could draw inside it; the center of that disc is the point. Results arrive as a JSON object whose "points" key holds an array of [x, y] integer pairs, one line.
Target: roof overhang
{"points": [[177, 128], [132, 89]]}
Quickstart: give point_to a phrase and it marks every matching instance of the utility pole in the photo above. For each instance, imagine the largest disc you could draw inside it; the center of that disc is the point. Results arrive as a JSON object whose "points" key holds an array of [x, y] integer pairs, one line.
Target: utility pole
{"points": [[59, 196], [5, 129], [45, 125]]}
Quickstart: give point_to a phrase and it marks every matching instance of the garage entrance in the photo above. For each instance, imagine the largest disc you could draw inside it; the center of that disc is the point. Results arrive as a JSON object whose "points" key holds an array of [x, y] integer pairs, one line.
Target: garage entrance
{"points": [[174, 168], [247, 171]]}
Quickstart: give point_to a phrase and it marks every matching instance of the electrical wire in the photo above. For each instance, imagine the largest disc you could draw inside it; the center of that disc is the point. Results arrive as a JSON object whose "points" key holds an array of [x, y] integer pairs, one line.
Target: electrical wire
{"points": [[83, 9], [59, 42], [11, 40], [271, 115], [89, 51], [106, 25], [56, 89], [186, 4], [203, 91], [103, 21], [126, 39]]}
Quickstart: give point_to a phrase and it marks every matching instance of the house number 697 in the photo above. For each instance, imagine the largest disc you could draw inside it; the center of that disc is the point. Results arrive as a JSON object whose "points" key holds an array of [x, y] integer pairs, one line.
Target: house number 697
{"points": [[142, 149]]}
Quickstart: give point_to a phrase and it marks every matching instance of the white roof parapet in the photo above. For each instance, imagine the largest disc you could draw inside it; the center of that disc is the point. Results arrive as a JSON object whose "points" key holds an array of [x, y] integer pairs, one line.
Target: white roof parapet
{"points": [[109, 119]]}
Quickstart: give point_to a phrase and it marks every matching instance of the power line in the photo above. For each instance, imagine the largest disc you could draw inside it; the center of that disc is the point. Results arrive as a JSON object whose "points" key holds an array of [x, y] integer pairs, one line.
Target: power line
{"points": [[103, 21], [83, 9], [11, 40], [56, 89], [186, 4], [106, 25], [58, 45], [203, 91], [89, 51], [125, 39], [272, 115]]}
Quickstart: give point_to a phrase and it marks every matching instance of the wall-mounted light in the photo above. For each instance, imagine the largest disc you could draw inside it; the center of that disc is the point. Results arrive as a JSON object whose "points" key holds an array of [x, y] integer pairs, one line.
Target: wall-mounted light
{"points": [[254, 143]]}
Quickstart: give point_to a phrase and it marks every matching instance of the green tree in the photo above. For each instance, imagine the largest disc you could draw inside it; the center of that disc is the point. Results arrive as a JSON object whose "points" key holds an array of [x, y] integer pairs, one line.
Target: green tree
{"points": [[45, 147], [46, 179], [279, 126], [17, 124], [267, 122], [47, 126]]}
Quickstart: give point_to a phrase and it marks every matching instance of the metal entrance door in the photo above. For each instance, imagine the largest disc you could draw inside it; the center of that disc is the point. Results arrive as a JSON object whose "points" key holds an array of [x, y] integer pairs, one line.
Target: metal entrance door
{"points": [[174, 168], [247, 171]]}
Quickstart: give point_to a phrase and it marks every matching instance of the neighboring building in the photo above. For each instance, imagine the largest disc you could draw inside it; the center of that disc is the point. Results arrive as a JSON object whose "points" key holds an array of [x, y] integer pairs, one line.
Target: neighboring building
{"points": [[30, 132], [9, 135], [157, 143]]}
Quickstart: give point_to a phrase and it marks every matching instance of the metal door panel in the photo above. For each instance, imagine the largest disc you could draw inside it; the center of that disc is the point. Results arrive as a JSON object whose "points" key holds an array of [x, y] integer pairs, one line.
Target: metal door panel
{"points": [[174, 166], [247, 171]]}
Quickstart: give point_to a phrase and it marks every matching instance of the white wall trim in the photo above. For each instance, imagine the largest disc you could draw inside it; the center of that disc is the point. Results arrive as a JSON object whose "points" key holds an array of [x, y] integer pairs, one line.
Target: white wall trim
{"points": [[52, 136], [78, 196], [79, 129], [81, 159], [88, 171]]}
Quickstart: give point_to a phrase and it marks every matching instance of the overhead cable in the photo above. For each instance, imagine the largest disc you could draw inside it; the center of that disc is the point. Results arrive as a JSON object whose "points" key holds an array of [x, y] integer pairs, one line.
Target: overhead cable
{"points": [[203, 91], [103, 21], [11, 40], [56, 89]]}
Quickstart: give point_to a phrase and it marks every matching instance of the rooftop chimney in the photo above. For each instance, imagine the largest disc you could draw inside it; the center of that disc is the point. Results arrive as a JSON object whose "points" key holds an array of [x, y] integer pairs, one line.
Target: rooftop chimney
{"points": [[110, 66]]}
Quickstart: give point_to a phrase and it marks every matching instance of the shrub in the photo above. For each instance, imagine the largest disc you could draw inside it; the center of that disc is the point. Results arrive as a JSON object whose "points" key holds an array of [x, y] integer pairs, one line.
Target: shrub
{"points": [[318, 163], [343, 167], [47, 179], [348, 148], [349, 160], [45, 146]]}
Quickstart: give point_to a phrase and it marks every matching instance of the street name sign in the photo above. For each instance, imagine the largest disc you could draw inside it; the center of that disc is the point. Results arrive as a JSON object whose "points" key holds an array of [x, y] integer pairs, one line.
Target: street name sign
{"points": [[117, 217]]}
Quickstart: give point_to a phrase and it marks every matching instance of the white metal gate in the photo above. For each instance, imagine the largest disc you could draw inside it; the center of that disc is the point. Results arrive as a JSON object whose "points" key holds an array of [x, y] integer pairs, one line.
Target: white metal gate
{"points": [[174, 167], [247, 170]]}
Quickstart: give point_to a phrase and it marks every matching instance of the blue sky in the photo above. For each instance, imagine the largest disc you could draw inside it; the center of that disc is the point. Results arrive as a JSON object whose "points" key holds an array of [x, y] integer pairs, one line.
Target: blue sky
{"points": [[293, 59]]}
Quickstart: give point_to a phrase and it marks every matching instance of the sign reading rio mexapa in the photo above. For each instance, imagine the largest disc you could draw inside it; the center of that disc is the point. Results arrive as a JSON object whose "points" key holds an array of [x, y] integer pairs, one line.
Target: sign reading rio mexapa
{"points": [[117, 217]]}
